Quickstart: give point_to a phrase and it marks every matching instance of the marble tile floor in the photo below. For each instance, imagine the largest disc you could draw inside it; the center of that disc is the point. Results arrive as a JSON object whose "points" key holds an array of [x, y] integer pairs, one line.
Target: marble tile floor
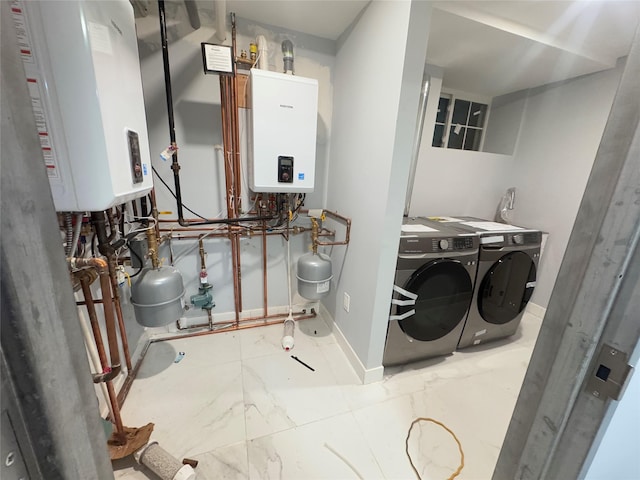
{"points": [[245, 409]]}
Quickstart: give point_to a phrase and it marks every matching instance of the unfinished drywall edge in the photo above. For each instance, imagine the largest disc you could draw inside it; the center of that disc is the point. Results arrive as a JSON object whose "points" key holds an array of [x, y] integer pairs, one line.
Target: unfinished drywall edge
{"points": [[365, 375]]}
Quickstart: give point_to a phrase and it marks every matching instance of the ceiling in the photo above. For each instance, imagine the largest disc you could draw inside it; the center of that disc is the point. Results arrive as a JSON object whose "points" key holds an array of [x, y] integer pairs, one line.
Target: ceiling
{"points": [[488, 47], [496, 47], [322, 18]]}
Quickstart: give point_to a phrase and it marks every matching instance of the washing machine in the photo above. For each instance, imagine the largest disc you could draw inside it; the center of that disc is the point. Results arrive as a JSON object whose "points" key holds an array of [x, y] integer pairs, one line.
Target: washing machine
{"points": [[432, 291], [506, 277]]}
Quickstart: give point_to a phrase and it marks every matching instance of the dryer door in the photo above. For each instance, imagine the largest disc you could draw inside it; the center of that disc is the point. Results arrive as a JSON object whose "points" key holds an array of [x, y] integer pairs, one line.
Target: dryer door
{"points": [[506, 288], [443, 289]]}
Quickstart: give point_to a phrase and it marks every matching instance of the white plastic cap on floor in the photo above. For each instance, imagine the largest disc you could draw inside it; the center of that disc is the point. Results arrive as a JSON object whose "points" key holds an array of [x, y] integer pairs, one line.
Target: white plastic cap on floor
{"points": [[186, 473]]}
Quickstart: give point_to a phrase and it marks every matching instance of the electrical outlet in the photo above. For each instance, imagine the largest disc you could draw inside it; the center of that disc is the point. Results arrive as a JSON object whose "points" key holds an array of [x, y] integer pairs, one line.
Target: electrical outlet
{"points": [[346, 301]]}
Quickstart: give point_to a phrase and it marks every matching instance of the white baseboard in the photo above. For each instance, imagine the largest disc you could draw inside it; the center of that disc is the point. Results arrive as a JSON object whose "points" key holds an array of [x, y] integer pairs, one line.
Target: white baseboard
{"points": [[536, 310], [365, 375]]}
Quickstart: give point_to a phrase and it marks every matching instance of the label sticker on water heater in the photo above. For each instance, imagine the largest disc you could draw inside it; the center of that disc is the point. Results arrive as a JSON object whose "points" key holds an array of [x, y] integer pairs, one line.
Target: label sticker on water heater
{"points": [[99, 38], [300, 176]]}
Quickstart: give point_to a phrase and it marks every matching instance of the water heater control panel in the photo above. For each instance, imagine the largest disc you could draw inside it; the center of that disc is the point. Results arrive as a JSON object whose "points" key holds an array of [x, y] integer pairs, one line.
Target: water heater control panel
{"points": [[285, 169]]}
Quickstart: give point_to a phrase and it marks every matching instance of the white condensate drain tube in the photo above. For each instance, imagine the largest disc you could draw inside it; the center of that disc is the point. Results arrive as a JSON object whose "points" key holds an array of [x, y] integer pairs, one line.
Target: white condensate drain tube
{"points": [[287, 336], [289, 323], [263, 53], [164, 465]]}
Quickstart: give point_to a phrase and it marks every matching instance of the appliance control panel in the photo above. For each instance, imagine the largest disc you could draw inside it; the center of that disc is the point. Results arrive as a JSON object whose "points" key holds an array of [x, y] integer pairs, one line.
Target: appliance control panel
{"points": [[285, 169], [526, 238], [425, 244], [134, 154], [463, 243]]}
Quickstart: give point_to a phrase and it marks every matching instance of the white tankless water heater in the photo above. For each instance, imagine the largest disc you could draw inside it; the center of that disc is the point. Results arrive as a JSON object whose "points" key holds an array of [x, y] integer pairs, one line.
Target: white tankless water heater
{"points": [[83, 73], [284, 111]]}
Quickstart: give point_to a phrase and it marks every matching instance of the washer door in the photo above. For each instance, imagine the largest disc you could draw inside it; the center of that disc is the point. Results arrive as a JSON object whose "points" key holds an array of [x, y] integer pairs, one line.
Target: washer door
{"points": [[506, 288], [444, 291]]}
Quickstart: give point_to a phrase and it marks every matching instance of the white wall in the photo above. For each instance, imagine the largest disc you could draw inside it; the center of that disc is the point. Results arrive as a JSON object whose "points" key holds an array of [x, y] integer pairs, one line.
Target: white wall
{"points": [[378, 76], [561, 131], [503, 125], [458, 182], [196, 99]]}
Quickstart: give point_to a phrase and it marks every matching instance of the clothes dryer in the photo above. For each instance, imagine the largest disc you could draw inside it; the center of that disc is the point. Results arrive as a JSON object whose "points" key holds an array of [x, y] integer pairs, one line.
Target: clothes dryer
{"points": [[506, 277], [432, 291]]}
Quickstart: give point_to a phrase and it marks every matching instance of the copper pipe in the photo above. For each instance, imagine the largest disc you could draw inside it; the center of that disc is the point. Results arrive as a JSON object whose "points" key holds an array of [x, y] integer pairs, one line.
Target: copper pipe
{"points": [[314, 235], [229, 188], [264, 269], [235, 123], [235, 327], [323, 233], [347, 222], [226, 144], [116, 302], [235, 277], [230, 164], [251, 320], [93, 320], [296, 229], [105, 285], [211, 232], [154, 211], [120, 437]]}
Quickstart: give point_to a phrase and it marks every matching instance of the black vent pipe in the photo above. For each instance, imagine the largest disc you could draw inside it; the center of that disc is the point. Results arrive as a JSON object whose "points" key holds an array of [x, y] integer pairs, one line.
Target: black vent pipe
{"points": [[175, 166]]}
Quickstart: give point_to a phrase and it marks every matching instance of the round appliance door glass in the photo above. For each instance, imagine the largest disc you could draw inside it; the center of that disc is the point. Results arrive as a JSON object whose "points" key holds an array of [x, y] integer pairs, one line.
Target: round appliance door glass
{"points": [[444, 293], [506, 288]]}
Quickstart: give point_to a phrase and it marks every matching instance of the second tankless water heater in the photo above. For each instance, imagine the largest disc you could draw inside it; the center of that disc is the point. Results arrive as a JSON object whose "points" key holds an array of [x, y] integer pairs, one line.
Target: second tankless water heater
{"points": [[284, 111], [83, 73]]}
